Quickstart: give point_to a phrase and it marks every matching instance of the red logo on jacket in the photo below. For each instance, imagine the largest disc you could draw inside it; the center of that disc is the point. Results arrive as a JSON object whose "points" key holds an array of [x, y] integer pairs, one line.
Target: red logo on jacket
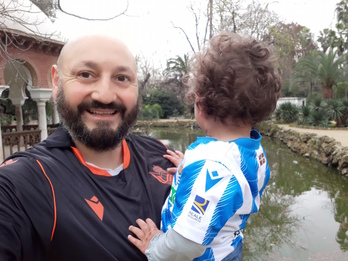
{"points": [[161, 175]]}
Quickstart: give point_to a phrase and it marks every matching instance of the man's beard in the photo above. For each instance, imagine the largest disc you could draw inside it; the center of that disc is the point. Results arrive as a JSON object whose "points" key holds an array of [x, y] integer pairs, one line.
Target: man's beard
{"points": [[102, 137]]}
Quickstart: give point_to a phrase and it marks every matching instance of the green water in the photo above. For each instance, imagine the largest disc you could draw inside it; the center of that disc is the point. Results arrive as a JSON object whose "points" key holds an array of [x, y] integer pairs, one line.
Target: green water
{"points": [[304, 209]]}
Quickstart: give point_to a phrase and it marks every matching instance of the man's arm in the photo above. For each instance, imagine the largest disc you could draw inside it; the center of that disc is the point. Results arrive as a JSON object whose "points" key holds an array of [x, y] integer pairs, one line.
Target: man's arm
{"points": [[26, 211]]}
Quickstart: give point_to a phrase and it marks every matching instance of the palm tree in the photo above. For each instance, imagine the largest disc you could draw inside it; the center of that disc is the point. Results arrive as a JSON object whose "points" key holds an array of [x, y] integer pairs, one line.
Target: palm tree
{"points": [[177, 68], [326, 69]]}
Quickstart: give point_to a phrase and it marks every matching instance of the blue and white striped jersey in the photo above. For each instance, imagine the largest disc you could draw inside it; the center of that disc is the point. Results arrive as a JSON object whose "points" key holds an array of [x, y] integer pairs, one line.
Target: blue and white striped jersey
{"points": [[216, 188]]}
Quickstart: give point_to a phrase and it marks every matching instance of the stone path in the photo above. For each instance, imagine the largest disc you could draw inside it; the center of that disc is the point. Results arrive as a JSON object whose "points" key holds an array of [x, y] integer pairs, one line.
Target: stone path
{"points": [[339, 135]]}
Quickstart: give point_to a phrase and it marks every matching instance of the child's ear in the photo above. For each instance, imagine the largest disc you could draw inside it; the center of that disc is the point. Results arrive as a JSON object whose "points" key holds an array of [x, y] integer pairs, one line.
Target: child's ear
{"points": [[202, 113]]}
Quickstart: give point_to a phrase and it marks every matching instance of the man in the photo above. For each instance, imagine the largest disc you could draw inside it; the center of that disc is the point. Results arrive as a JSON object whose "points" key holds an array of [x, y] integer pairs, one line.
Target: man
{"points": [[74, 195]]}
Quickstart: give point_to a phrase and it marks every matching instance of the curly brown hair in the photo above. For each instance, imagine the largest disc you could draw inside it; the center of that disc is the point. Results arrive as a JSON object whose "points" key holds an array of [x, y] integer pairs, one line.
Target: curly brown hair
{"points": [[235, 78]]}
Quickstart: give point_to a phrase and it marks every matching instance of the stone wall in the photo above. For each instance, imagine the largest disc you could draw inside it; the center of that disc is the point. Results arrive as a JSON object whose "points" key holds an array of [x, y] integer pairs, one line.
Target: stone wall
{"points": [[321, 148]]}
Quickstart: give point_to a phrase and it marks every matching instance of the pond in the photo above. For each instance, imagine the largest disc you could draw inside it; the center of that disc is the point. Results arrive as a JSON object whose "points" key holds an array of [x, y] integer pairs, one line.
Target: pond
{"points": [[304, 209]]}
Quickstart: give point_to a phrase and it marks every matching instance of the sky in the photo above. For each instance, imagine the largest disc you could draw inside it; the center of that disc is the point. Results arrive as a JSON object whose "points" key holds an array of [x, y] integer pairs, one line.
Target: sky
{"points": [[147, 26]]}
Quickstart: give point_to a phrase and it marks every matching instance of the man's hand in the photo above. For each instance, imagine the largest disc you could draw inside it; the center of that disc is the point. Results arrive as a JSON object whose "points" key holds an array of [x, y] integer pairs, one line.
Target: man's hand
{"points": [[146, 231], [174, 157]]}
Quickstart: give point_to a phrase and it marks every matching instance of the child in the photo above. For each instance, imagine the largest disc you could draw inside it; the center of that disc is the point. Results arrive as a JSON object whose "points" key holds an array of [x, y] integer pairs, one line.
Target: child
{"points": [[219, 183]]}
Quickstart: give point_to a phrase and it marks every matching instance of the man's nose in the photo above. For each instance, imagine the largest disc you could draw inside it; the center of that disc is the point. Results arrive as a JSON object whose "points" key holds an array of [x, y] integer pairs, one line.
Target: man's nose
{"points": [[104, 91]]}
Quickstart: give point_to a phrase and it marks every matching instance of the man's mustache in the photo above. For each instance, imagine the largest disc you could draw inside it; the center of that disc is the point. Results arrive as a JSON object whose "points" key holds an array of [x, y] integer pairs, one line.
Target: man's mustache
{"points": [[98, 105]]}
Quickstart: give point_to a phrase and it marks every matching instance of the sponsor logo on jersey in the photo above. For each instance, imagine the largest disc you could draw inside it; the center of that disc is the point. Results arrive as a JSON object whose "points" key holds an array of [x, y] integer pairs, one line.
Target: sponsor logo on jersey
{"points": [[161, 175], [96, 206], [8, 162], [198, 209], [262, 159], [172, 195]]}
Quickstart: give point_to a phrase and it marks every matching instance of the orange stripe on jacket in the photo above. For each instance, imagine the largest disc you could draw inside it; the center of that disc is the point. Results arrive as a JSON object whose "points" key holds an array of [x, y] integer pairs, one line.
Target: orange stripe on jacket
{"points": [[54, 199]]}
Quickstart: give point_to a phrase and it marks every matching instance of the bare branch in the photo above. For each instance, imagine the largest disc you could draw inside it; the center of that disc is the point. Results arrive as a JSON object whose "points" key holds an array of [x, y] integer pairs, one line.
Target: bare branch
{"points": [[196, 25], [187, 38], [93, 19]]}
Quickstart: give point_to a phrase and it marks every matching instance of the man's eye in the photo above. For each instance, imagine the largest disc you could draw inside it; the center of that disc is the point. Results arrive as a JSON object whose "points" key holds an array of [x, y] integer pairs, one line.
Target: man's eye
{"points": [[85, 75], [122, 78]]}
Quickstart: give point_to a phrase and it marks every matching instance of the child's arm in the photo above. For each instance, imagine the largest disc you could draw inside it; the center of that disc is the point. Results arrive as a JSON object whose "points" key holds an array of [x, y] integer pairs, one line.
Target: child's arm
{"points": [[158, 246]]}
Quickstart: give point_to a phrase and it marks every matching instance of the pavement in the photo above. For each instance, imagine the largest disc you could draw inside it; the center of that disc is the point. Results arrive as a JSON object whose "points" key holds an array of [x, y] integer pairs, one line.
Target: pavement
{"points": [[339, 135]]}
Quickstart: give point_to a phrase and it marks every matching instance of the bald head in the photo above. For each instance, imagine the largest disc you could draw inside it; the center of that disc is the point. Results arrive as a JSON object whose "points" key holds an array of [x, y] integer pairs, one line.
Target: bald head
{"points": [[94, 44], [96, 56]]}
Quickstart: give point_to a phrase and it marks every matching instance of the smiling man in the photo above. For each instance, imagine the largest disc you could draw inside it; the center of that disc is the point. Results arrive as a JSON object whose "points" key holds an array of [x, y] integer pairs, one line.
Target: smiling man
{"points": [[102, 92], [74, 195]]}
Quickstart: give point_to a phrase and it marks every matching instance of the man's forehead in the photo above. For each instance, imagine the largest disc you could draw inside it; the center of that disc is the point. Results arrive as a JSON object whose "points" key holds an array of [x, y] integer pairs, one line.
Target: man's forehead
{"points": [[90, 47]]}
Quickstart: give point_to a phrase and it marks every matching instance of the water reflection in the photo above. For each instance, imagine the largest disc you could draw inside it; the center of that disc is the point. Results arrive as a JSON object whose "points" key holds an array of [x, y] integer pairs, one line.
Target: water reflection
{"points": [[304, 211]]}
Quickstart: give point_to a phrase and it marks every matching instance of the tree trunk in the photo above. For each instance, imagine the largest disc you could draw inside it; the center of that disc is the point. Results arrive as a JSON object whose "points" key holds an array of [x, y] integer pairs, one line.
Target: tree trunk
{"points": [[143, 83], [327, 92]]}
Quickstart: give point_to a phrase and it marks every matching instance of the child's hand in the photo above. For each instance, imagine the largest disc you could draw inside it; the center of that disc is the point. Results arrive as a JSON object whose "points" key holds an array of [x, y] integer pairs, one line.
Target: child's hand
{"points": [[145, 233], [175, 157]]}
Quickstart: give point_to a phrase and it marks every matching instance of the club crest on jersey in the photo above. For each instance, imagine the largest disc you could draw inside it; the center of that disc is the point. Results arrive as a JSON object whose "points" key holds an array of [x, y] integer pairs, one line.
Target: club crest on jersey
{"points": [[262, 159], [198, 209]]}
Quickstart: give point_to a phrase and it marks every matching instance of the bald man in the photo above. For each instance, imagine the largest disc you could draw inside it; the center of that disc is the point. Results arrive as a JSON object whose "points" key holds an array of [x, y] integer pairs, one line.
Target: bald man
{"points": [[74, 195]]}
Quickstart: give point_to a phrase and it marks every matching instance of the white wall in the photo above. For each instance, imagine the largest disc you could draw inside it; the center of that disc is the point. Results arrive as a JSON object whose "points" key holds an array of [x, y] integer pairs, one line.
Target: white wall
{"points": [[294, 100]]}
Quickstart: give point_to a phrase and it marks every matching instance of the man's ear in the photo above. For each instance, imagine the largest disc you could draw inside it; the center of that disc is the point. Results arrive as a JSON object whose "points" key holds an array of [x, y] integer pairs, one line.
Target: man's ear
{"points": [[55, 81]]}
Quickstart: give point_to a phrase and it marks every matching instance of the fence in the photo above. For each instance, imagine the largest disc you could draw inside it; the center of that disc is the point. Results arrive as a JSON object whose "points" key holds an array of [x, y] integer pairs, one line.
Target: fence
{"points": [[13, 140]]}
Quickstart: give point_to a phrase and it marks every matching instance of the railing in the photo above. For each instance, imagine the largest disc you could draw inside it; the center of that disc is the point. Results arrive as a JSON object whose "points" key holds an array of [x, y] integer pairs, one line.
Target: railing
{"points": [[13, 140], [13, 128], [19, 141]]}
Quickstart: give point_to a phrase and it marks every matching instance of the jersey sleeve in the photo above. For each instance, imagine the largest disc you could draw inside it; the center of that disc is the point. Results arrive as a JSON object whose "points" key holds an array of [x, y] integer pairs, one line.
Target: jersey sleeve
{"points": [[165, 247], [207, 196], [26, 210]]}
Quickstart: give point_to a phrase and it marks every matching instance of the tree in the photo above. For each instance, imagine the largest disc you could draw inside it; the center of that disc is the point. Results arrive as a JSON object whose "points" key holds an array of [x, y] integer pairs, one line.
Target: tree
{"points": [[258, 19], [328, 69], [239, 17], [327, 38], [291, 42], [201, 28], [337, 39], [33, 18], [21, 16], [177, 66], [148, 75], [166, 99], [228, 15], [176, 69], [235, 16]]}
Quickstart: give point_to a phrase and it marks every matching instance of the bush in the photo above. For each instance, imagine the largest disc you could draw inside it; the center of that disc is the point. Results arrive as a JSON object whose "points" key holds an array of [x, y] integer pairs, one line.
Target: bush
{"points": [[150, 112], [288, 112], [166, 99], [334, 111], [304, 114], [345, 112], [318, 118]]}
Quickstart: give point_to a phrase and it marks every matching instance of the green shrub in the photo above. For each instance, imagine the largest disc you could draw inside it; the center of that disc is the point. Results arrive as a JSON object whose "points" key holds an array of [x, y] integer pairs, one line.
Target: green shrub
{"points": [[334, 111], [288, 112], [304, 114], [318, 118], [166, 99], [345, 112], [149, 112]]}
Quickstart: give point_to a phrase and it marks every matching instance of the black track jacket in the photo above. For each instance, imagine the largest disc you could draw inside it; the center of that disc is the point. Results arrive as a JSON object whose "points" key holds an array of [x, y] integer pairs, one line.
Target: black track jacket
{"points": [[54, 207]]}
